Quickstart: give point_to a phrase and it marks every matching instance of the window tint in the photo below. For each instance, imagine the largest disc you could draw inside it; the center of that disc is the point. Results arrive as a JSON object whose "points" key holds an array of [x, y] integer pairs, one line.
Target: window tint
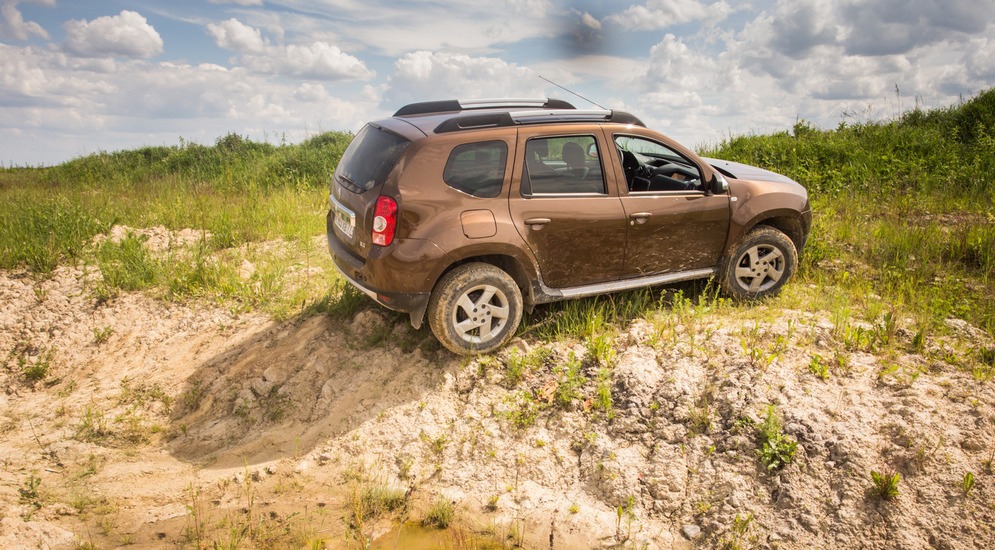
{"points": [[477, 168], [369, 158], [562, 165], [651, 166]]}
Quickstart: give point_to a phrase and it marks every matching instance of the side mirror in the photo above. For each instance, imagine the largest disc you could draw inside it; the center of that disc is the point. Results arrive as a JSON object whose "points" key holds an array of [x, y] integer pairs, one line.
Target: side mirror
{"points": [[719, 184]]}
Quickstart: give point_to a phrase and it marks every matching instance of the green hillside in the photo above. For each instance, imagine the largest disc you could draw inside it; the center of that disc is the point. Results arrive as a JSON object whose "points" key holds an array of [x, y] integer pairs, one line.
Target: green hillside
{"points": [[904, 218]]}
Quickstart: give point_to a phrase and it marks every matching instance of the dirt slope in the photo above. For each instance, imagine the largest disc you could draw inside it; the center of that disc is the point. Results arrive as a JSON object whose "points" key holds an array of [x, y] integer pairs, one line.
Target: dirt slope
{"points": [[153, 424]]}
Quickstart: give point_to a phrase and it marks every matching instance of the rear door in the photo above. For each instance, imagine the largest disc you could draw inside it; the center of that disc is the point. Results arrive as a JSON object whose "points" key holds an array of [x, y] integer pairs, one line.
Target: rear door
{"points": [[563, 207], [359, 176], [670, 229]]}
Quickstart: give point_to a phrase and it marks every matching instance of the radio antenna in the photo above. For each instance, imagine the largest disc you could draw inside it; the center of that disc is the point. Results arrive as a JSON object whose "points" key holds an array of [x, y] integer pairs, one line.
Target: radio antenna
{"points": [[570, 91]]}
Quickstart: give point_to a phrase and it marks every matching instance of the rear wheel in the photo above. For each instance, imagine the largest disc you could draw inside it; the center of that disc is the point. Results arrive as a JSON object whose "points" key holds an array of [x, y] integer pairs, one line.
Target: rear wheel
{"points": [[475, 308], [760, 265]]}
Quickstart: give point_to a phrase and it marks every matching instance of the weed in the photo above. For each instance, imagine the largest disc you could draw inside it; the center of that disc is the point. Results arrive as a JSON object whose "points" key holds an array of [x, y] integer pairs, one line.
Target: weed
{"points": [[700, 413], [574, 509], [92, 425], [440, 515], [29, 494], [492, 503], [523, 409], [601, 348], [570, 380], [518, 365], [102, 334], [818, 366], [738, 535], [967, 484], [380, 499], [602, 400], [886, 484], [777, 450]]}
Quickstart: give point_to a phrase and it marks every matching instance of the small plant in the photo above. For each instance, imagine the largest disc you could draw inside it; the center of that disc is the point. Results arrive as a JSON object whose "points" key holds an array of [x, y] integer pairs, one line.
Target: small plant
{"points": [[602, 349], [380, 499], [102, 334], [569, 381], [519, 365], [919, 341], [440, 515], [603, 392], [886, 484], [492, 503], [738, 535], [700, 413], [574, 509], [93, 425], [967, 484], [777, 450], [819, 367], [28, 494], [524, 409]]}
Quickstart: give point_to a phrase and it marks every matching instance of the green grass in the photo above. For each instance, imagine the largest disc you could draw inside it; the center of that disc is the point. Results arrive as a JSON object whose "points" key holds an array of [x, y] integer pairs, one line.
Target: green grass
{"points": [[234, 194], [902, 223], [902, 209]]}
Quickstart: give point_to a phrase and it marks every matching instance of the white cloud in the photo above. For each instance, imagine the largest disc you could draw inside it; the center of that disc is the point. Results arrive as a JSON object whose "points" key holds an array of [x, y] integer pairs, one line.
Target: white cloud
{"points": [[14, 25], [127, 34], [590, 21], [238, 2], [320, 61], [235, 35], [53, 107], [425, 75], [395, 28], [662, 14]]}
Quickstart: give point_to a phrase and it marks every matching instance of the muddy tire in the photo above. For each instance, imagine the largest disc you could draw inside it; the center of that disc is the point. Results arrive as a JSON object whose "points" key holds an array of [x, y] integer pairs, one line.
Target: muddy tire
{"points": [[763, 261], [475, 308]]}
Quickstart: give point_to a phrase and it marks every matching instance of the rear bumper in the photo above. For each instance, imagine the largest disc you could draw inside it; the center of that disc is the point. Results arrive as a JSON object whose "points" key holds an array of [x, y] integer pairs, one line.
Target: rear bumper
{"points": [[357, 271]]}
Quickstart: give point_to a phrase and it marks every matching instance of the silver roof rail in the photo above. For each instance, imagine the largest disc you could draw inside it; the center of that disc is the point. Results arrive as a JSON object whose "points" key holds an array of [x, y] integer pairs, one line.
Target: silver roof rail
{"points": [[497, 103], [456, 105], [579, 115]]}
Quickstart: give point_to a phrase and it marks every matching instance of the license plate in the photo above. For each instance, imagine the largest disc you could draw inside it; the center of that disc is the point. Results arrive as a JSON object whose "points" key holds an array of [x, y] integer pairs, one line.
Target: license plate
{"points": [[345, 220]]}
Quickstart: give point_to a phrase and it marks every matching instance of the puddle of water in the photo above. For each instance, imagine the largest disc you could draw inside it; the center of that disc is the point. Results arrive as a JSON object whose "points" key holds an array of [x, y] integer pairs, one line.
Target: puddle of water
{"points": [[412, 536]]}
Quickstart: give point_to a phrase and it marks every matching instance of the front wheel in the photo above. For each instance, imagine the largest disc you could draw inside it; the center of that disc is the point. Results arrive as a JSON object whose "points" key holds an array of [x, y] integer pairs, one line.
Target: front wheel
{"points": [[475, 308], [761, 264]]}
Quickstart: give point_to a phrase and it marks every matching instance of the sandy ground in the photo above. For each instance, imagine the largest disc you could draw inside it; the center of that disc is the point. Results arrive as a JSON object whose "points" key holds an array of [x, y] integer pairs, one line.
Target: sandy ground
{"points": [[151, 424]]}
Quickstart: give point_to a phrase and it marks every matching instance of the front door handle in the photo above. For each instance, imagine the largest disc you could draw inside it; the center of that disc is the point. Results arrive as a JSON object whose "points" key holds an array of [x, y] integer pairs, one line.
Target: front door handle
{"points": [[639, 217], [537, 223]]}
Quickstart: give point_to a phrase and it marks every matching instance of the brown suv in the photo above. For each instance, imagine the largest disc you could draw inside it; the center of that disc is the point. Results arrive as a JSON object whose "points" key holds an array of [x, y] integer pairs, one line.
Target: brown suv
{"points": [[470, 211]]}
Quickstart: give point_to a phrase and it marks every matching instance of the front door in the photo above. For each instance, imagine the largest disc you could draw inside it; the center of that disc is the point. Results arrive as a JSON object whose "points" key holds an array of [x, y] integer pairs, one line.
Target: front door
{"points": [[572, 220], [673, 225]]}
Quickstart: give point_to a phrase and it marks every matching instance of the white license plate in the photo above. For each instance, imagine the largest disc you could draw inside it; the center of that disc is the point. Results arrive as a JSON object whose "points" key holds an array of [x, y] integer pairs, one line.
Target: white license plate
{"points": [[345, 220]]}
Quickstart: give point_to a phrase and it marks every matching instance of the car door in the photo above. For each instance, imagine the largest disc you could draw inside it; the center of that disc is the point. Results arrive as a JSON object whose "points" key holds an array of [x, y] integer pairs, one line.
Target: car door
{"points": [[564, 208], [673, 225]]}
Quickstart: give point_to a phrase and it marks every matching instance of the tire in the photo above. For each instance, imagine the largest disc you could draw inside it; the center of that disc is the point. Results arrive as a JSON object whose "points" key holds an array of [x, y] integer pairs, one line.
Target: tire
{"points": [[763, 261], [475, 308]]}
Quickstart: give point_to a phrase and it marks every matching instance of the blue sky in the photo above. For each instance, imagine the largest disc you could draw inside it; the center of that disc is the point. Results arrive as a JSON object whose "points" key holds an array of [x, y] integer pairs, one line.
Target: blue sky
{"points": [[84, 76]]}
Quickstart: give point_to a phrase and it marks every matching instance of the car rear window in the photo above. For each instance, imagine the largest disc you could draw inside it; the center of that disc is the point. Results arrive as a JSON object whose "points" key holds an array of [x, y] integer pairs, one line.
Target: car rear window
{"points": [[477, 168], [369, 158]]}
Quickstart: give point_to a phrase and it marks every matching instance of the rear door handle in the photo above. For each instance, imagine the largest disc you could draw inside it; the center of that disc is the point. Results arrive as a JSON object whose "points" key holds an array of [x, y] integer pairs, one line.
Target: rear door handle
{"points": [[537, 223], [639, 217]]}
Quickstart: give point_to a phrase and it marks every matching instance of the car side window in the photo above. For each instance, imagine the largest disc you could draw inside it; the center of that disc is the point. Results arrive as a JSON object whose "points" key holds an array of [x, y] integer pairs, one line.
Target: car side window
{"points": [[653, 167], [477, 168], [562, 165]]}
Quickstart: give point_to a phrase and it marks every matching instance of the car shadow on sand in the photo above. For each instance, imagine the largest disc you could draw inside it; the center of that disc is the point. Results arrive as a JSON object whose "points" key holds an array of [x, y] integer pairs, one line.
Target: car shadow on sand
{"points": [[284, 390]]}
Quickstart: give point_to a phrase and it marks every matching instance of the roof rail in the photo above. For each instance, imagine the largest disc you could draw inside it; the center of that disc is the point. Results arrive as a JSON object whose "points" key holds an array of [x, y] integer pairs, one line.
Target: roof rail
{"points": [[494, 120], [450, 105]]}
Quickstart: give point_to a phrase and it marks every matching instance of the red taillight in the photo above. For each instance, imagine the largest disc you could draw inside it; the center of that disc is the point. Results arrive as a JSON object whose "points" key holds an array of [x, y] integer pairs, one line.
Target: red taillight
{"points": [[384, 221]]}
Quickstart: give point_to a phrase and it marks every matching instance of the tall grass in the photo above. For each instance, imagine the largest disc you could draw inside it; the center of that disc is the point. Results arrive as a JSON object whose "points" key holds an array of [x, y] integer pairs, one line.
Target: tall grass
{"points": [[903, 208], [238, 190]]}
